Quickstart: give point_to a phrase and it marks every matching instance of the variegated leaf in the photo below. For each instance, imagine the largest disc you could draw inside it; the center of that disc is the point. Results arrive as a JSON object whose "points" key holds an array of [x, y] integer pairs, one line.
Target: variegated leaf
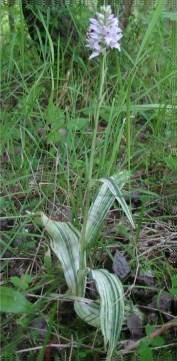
{"points": [[88, 311], [118, 195], [65, 244], [112, 307], [103, 202]]}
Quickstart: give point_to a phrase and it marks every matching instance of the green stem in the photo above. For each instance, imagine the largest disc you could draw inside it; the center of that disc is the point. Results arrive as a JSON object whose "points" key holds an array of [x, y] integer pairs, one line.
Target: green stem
{"points": [[97, 115], [129, 137], [90, 172], [173, 123]]}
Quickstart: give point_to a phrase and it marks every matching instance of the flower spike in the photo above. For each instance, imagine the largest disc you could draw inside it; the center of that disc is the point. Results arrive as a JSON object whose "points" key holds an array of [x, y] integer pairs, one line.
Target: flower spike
{"points": [[104, 32]]}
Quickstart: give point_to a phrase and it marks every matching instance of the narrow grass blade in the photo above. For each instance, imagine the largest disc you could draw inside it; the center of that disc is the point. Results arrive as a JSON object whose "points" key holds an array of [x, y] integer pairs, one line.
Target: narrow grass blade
{"points": [[65, 244], [112, 307], [152, 24], [88, 311], [103, 202]]}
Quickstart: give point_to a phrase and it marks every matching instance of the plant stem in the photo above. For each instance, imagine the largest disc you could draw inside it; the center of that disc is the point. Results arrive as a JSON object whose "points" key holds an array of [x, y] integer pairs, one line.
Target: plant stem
{"points": [[173, 123], [97, 114], [90, 172], [129, 138]]}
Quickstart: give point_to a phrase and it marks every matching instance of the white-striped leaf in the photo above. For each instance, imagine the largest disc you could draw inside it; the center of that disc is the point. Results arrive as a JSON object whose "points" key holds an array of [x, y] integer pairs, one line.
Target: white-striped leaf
{"points": [[117, 193], [112, 307], [103, 202], [88, 311], [65, 244]]}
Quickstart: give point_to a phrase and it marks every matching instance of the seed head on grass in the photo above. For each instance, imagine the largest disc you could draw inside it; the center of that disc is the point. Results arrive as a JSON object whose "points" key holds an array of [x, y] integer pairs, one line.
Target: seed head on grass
{"points": [[104, 32]]}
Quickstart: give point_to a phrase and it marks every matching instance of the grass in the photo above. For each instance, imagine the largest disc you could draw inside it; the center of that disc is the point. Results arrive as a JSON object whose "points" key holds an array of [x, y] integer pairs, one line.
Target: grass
{"points": [[48, 108]]}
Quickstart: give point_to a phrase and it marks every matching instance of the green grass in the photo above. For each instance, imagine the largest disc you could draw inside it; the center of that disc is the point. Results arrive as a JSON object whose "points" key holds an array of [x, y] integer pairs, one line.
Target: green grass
{"points": [[48, 111]]}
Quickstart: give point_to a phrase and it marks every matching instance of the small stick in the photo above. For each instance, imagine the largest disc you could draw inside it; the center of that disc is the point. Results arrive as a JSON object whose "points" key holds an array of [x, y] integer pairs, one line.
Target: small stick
{"points": [[158, 332]]}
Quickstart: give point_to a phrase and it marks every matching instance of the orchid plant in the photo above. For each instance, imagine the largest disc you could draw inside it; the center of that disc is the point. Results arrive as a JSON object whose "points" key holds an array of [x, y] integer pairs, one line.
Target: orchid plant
{"points": [[70, 244], [106, 313]]}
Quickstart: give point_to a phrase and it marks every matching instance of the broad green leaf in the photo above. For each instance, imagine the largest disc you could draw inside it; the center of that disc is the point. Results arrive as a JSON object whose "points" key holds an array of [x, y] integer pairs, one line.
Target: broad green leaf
{"points": [[77, 124], [112, 307], [65, 244], [118, 195], [88, 311], [174, 280], [145, 352], [21, 282], [103, 202], [171, 162], [173, 292], [157, 341], [13, 301], [54, 116]]}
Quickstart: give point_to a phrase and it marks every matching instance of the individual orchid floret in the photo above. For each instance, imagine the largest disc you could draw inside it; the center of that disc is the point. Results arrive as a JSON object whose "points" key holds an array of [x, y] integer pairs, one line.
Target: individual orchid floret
{"points": [[104, 32]]}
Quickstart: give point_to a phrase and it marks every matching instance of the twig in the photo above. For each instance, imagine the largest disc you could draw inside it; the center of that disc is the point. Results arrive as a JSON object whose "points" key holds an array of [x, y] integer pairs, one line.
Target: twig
{"points": [[58, 346], [157, 310], [158, 332]]}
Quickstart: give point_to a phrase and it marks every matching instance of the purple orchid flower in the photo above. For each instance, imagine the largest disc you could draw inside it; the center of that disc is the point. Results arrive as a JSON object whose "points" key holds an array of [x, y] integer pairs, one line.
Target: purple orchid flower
{"points": [[103, 32]]}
